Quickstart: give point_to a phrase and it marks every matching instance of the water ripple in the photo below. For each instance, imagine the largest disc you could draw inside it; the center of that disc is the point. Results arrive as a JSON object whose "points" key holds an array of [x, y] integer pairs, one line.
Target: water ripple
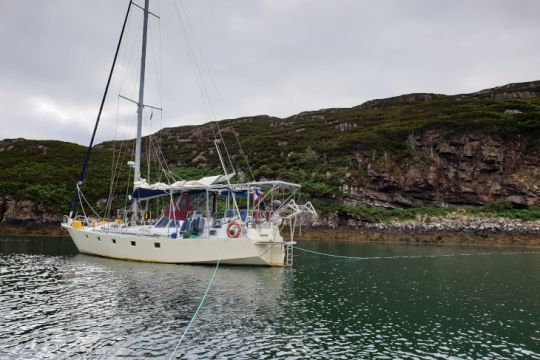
{"points": [[78, 306]]}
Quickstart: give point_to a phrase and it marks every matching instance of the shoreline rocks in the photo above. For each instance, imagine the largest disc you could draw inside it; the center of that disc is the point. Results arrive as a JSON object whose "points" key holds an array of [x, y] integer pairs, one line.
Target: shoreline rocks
{"points": [[460, 225]]}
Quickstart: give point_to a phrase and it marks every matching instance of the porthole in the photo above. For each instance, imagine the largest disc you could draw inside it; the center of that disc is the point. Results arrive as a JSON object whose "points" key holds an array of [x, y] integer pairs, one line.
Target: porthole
{"points": [[133, 243], [86, 235], [157, 245], [114, 241], [99, 239]]}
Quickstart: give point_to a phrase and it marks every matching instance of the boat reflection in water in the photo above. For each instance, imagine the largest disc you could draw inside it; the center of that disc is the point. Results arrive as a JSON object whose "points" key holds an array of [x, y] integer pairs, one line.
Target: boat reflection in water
{"points": [[141, 309]]}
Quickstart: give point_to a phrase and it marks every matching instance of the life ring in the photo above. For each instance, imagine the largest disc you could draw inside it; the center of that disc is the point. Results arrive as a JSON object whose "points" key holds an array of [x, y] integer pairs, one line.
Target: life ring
{"points": [[233, 229]]}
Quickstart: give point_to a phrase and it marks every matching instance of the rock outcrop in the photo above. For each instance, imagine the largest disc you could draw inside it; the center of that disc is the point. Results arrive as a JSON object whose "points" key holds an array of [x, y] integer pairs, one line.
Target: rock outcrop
{"points": [[448, 168], [14, 212]]}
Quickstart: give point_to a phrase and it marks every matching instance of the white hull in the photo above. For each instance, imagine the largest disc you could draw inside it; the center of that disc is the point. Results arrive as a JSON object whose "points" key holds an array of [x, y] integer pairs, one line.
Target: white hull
{"points": [[251, 250]]}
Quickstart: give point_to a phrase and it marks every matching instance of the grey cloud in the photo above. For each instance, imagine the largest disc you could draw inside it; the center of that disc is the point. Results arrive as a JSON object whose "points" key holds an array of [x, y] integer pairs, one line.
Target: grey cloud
{"points": [[267, 57]]}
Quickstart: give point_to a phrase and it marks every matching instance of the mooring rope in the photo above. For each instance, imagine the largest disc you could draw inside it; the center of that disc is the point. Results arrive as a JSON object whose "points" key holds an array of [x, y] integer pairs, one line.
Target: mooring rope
{"points": [[196, 311], [413, 256]]}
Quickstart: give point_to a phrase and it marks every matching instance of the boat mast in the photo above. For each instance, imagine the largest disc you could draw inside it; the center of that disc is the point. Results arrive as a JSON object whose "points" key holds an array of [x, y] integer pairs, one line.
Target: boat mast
{"points": [[137, 175]]}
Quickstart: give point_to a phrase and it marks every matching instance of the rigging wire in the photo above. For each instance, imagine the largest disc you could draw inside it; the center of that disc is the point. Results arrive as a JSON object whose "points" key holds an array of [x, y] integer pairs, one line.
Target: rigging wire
{"points": [[129, 53], [196, 311], [113, 168], [120, 160], [159, 132], [81, 194], [159, 74], [90, 146], [159, 84], [202, 86], [216, 89], [80, 202], [165, 169], [126, 59], [116, 171]]}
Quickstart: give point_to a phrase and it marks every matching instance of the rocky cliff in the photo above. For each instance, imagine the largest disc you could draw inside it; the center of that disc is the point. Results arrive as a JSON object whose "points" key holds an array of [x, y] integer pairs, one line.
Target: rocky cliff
{"points": [[447, 167], [22, 212]]}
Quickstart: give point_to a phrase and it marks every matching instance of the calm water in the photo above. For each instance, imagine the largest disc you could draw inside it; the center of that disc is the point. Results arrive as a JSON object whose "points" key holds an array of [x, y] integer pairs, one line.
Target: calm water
{"points": [[55, 303]]}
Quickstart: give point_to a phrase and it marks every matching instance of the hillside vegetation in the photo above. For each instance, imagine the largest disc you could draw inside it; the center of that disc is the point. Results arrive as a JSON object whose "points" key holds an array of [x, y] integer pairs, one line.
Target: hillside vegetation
{"points": [[413, 151]]}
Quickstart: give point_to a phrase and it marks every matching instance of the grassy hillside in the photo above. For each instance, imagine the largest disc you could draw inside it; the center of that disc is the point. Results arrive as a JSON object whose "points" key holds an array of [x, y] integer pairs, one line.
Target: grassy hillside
{"points": [[47, 171]]}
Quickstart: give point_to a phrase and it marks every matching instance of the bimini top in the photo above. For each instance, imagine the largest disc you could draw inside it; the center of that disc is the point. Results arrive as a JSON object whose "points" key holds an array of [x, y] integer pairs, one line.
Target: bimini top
{"points": [[144, 191]]}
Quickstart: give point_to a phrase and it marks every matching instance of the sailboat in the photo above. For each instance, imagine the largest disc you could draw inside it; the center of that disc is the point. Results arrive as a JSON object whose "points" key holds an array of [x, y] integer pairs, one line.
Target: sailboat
{"points": [[211, 219]]}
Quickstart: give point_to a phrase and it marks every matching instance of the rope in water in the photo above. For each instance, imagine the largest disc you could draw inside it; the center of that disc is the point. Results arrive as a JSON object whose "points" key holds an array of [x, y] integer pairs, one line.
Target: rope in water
{"points": [[196, 311], [412, 256], [340, 257]]}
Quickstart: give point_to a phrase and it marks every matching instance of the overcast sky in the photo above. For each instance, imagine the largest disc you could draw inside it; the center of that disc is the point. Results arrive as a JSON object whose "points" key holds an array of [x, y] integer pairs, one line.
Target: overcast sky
{"points": [[275, 57]]}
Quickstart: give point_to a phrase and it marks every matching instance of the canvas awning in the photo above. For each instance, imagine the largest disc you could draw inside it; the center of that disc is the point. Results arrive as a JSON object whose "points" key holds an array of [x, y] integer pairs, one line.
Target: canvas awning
{"points": [[144, 191]]}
